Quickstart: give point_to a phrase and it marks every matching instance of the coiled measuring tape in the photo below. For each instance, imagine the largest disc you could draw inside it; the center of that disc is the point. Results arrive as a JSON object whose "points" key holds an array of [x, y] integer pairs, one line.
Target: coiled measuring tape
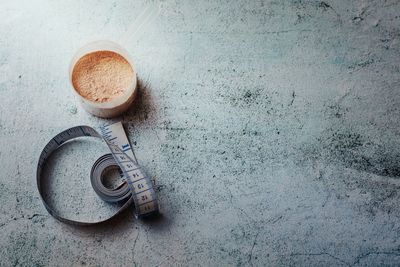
{"points": [[136, 188]]}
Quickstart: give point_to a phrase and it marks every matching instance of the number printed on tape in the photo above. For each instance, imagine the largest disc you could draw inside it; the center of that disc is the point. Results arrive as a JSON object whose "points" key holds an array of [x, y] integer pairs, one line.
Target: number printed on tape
{"points": [[148, 207], [144, 197], [140, 186]]}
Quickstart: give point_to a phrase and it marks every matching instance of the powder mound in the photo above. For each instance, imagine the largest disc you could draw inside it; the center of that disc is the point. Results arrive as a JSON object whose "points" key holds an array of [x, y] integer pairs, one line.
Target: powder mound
{"points": [[101, 76]]}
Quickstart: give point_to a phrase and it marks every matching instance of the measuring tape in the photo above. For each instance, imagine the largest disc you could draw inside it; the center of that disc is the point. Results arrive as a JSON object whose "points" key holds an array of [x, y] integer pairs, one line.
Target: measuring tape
{"points": [[136, 188]]}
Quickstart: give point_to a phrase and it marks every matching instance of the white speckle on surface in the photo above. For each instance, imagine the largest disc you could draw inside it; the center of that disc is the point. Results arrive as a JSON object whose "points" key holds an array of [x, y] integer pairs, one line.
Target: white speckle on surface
{"points": [[73, 110]]}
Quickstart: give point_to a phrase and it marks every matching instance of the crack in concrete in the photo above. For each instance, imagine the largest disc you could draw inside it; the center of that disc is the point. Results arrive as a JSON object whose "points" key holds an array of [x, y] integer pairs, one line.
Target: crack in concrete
{"points": [[321, 254], [134, 246], [364, 255], [19, 218], [355, 262], [293, 97], [252, 248]]}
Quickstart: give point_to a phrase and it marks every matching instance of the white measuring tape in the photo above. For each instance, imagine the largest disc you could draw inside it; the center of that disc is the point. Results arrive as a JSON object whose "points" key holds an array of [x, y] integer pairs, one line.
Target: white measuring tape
{"points": [[137, 187]]}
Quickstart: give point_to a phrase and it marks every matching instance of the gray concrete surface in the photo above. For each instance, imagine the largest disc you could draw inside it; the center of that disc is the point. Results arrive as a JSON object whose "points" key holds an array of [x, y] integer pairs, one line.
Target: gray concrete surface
{"points": [[271, 128]]}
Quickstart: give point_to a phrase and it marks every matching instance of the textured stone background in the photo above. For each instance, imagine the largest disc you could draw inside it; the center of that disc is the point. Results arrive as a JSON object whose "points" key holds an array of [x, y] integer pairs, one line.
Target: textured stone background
{"points": [[271, 128]]}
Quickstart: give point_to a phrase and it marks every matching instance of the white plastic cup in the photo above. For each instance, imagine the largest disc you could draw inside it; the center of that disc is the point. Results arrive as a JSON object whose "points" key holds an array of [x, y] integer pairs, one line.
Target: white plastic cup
{"points": [[121, 103], [116, 105]]}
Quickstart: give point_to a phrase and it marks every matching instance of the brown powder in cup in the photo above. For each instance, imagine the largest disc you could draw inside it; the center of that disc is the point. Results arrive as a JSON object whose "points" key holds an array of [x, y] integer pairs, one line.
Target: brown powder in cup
{"points": [[102, 75]]}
